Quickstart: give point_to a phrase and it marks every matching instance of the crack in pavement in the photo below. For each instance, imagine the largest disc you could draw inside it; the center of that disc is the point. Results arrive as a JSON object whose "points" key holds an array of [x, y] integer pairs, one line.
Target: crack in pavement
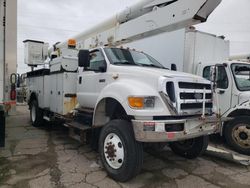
{"points": [[55, 172], [216, 175]]}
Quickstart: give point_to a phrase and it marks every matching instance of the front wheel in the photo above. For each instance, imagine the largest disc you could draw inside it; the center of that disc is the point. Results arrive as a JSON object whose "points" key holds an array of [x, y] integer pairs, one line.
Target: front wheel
{"points": [[237, 134], [121, 154], [190, 148]]}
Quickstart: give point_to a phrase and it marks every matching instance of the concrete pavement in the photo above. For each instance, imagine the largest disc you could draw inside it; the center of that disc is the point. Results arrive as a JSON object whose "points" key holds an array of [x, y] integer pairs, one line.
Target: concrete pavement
{"points": [[47, 157]]}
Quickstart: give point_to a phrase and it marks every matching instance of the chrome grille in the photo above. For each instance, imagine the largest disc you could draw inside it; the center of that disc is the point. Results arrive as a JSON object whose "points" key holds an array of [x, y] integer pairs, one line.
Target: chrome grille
{"points": [[187, 97], [190, 98], [189, 85]]}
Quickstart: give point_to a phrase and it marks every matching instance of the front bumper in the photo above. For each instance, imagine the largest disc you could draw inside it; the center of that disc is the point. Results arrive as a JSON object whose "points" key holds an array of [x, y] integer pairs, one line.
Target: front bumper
{"points": [[191, 128]]}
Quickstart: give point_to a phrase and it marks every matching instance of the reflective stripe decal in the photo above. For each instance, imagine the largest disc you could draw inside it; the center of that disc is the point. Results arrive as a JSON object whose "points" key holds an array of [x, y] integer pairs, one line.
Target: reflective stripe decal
{"points": [[170, 135], [9, 103]]}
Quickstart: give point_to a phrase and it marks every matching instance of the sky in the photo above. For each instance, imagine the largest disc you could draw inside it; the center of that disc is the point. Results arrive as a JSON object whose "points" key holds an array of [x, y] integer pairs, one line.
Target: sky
{"points": [[57, 20]]}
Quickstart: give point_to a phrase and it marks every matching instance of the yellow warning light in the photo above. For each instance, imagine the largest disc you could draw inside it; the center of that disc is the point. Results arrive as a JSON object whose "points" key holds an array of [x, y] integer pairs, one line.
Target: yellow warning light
{"points": [[72, 43]]}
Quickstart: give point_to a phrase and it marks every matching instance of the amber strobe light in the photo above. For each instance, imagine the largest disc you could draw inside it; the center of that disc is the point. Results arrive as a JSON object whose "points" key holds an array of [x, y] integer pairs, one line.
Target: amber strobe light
{"points": [[71, 43]]}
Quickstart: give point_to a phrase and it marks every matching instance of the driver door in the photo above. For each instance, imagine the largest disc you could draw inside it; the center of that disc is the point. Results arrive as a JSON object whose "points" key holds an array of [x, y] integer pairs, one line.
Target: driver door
{"points": [[90, 79], [224, 87]]}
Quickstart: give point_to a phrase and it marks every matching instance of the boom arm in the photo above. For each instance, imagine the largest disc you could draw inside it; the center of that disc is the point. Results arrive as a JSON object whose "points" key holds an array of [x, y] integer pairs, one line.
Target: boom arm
{"points": [[144, 19]]}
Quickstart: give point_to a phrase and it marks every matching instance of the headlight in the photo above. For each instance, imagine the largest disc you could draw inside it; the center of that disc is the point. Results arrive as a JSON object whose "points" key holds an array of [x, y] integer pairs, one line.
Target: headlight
{"points": [[141, 102]]}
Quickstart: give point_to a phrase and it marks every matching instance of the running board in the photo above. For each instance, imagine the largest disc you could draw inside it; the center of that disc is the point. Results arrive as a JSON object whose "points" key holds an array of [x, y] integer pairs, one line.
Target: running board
{"points": [[85, 110], [77, 130], [221, 151]]}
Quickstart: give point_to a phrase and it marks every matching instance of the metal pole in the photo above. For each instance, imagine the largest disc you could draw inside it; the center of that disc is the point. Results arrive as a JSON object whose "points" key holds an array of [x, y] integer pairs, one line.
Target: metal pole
{"points": [[2, 128], [2, 112]]}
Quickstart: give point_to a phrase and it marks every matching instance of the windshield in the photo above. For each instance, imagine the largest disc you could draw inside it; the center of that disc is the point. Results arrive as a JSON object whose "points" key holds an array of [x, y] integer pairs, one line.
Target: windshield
{"points": [[241, 74], [119, 56]]}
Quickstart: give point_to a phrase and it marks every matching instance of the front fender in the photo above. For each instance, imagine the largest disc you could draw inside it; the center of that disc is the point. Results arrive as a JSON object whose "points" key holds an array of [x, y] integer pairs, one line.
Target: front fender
{"points": [[122, 89], [239, 110], [243, 106]]}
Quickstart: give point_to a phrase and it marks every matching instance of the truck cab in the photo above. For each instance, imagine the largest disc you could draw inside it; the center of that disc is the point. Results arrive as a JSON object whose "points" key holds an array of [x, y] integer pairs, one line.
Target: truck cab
{"points": [[233, 95], [132, 74]]}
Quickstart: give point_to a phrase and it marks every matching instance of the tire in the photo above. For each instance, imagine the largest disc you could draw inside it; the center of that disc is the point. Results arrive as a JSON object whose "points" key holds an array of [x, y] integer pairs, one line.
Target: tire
{"points": [[237, 134], [191, 148], [36, 114], [117, 138]]}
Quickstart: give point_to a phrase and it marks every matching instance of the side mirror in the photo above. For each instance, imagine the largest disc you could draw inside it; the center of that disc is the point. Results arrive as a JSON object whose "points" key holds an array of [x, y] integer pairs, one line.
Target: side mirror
{"points": [[213, 76], [83, 58], [173, 67]]}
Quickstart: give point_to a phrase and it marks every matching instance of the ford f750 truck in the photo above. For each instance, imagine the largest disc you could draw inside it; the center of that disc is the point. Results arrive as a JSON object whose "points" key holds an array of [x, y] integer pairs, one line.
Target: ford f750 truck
{"points": [[131, 98], [121, 97]]}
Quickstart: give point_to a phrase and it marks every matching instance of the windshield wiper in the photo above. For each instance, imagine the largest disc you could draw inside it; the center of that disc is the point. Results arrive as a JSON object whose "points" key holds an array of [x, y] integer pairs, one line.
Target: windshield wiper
{"points": [[152, 65], [124, 63]]}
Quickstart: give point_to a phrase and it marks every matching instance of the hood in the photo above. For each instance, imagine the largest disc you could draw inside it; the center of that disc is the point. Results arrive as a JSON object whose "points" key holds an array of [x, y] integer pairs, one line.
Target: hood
{"points": [[156, 72]]}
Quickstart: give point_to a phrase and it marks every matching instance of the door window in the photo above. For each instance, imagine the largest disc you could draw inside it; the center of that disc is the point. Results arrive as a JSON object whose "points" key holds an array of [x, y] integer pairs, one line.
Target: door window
{"points": [[97, 61], [241, 74]]}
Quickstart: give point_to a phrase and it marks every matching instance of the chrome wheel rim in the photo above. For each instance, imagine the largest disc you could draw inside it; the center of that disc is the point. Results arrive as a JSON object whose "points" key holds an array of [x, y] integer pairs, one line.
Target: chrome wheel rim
{"points": [[113, 151]]}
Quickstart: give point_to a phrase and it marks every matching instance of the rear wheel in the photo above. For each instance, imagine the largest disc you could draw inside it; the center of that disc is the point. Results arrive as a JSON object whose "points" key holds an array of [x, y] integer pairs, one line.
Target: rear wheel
{"points": [[36, 114], [190, 148], [121, 154], [237, 134]]}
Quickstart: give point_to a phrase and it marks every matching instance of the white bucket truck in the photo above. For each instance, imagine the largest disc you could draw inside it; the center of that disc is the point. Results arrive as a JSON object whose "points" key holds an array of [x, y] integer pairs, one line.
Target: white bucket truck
{"points": [[125, 97], [196, 52]]}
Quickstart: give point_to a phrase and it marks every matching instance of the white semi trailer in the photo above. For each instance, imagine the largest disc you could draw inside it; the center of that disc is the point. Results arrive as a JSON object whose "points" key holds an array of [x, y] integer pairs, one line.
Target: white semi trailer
{"points": [[8, 59], [196, 52], [125, 97]]}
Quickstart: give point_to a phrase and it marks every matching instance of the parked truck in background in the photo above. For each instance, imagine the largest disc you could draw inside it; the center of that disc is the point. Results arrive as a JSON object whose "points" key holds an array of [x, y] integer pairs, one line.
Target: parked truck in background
{"points": [[8, 59], [196, 52], [121, 97]]}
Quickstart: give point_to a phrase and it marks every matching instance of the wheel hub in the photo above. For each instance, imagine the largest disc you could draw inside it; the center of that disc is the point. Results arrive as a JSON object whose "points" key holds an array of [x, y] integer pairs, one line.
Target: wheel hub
{"points": [[113, 151], [241, 135], [110, 151]]}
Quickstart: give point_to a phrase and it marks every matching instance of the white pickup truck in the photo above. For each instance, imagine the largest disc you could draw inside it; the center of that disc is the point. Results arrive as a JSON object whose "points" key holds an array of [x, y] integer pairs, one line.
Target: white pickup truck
{"points": [[125, 98]]}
